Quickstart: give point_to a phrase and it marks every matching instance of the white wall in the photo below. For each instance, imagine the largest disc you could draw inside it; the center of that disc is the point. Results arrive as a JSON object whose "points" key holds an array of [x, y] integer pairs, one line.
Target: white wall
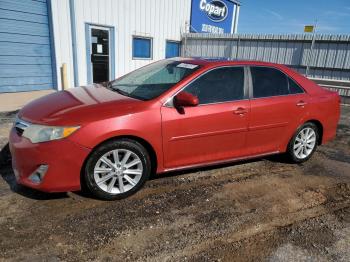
{"points": [[62, 38], [160, 19]]}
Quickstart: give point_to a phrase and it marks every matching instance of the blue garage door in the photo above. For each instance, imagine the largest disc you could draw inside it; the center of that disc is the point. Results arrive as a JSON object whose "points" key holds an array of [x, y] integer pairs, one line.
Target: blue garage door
{"points": [[25, 50]]}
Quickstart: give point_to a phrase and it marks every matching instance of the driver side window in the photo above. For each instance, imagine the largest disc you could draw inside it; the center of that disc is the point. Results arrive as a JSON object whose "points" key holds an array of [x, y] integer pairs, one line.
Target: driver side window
{"points": [[219, 85]]}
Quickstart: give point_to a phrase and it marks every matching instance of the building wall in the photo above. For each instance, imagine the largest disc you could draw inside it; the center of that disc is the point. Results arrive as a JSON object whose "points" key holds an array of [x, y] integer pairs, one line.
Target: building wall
{"points": [[160, 19], [62, 36]]}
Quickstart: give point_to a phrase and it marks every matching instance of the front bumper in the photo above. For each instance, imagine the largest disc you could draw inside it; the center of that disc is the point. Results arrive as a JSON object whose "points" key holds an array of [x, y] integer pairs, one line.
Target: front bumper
{"points": [[64, 159]]}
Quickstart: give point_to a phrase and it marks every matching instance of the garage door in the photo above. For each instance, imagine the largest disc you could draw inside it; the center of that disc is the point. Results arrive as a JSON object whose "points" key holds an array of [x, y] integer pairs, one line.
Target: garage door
{"points": [[25, 51]]}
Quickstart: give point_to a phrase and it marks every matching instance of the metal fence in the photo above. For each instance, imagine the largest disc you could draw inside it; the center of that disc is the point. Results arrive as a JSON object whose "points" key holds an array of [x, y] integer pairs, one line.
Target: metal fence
{"points": [[317, 56]]}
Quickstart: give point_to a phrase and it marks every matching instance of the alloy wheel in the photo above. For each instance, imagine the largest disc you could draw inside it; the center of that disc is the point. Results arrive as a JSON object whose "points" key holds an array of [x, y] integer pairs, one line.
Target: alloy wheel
{"points": [[118, 171], [304, 143]]}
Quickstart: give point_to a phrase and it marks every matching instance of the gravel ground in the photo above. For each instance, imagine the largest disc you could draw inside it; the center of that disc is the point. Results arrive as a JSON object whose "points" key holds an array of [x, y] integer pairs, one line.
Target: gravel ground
{"points": [[253, 210]]}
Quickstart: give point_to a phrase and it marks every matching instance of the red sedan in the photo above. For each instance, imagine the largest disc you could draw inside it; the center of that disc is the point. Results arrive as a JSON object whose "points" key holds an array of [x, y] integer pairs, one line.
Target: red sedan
{"points": [[172, 114]]}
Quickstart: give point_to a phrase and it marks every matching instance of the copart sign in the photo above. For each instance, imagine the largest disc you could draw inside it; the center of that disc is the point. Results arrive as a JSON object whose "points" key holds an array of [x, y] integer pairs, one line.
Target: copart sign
{"points": [[212, 16]]}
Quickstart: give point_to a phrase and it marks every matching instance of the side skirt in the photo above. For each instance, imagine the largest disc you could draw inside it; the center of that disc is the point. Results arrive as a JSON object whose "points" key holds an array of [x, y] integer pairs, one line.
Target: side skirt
{"points": [[231, 160]]}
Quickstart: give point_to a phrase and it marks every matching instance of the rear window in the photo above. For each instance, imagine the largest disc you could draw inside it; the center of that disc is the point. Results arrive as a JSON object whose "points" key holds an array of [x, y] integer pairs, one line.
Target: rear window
{"points": [[268, 82], [294, 88], [272, 82]]}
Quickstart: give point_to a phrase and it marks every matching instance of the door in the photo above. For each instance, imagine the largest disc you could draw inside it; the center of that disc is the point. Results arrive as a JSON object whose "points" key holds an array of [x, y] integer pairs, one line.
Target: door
{"points": [[215, 129], [100, 55], [276, 110], [25, 47]]}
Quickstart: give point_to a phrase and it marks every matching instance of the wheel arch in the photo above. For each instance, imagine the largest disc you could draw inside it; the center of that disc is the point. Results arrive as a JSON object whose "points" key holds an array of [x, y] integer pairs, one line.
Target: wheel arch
{"points": [[150, 149], [311, 120], [319, 129]]}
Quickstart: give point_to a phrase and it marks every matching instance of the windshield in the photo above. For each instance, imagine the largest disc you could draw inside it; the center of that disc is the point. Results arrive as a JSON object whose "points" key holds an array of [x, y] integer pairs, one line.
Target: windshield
{"points": [[151, 81]]}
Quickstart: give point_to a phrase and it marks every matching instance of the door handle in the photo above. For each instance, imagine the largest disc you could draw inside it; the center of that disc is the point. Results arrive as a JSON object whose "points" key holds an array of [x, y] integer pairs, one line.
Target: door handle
{"points": [[240, 111], [301, 103]]}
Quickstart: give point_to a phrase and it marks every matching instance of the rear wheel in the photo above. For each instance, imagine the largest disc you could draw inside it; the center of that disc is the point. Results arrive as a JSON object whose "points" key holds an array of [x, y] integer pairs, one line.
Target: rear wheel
{"points": [[117, 169], [304, 143]]}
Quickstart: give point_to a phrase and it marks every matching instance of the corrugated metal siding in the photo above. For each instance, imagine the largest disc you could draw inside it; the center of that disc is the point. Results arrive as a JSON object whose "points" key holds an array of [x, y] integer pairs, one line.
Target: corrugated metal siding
{"points": [[329, 58], [25, 50], [160, 19]]}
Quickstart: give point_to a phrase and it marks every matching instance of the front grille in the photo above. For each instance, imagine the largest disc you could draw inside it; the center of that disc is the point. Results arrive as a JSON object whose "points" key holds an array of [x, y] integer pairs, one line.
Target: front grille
{"points": [[20, 126]]}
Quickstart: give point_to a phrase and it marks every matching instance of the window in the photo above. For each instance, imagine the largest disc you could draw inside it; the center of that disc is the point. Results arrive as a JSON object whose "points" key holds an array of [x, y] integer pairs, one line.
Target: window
{"points": [[294, 88], [142, 48], [219, 85], [172, 49], [152, 80], [268, 82]]}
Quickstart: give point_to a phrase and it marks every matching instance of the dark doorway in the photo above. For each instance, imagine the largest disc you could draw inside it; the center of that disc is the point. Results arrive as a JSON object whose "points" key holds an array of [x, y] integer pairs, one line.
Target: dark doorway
{"points": [[100, 55]]}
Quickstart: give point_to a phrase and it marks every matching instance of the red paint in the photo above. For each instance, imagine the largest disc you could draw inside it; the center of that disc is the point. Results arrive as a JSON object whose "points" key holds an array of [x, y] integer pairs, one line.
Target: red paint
{"points": [[200, 135], [185, 99], [64, 158]]}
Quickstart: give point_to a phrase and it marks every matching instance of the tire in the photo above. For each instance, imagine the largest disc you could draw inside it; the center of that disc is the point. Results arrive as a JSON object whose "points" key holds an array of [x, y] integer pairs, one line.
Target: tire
{"points": [[110, 179], [5, 155], [301, 148]]}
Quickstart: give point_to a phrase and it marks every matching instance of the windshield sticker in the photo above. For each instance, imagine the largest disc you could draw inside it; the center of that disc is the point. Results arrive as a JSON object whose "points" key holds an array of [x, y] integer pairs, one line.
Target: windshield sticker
{"points": [[188, 66]]}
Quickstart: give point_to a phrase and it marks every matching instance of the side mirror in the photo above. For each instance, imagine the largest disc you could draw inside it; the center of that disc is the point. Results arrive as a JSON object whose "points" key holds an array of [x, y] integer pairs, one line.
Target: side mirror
{"points": [[184, 99]]}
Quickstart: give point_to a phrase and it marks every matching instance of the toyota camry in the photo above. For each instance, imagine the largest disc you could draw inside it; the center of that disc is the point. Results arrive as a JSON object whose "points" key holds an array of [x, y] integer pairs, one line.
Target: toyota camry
{"points": [[170, 115]]}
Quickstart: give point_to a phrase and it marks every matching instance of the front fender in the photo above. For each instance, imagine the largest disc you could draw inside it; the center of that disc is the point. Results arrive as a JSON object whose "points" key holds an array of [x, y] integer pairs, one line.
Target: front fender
{"points": [[143, 125]]}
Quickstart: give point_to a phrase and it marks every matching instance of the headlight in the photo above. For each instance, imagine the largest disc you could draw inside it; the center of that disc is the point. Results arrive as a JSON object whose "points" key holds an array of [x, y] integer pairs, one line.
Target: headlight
{"points": [[39, 133]]}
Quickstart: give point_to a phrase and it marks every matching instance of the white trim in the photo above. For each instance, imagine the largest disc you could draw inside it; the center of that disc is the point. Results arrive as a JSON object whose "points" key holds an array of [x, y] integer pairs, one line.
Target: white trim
{"points": [[235, 27]]}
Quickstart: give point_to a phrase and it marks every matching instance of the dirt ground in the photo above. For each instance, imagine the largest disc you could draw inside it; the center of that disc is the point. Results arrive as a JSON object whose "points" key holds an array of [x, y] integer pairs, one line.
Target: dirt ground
{"points": [[255, 210]]}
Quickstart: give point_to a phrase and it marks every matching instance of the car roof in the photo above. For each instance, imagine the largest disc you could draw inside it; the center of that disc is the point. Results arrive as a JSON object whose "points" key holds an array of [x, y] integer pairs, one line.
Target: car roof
{"points": [[213, 61]]}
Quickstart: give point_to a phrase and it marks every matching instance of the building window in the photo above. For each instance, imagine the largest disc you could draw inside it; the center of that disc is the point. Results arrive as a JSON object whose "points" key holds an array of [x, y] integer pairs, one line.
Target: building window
{"points": [[141, 48], [172, 49]]}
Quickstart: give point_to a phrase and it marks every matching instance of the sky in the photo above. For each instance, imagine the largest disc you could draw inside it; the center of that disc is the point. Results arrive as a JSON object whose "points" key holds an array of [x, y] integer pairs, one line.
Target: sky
{"points": [[290, 16]]}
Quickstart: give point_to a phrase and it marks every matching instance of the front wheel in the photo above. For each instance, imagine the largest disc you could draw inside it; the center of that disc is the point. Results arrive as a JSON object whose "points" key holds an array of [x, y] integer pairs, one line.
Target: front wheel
{"points": [[117, 169], [304, 143]]}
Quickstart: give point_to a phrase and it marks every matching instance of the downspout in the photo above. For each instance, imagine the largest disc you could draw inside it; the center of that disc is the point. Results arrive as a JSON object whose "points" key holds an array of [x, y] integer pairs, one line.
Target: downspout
{"points": [[74, 41]]}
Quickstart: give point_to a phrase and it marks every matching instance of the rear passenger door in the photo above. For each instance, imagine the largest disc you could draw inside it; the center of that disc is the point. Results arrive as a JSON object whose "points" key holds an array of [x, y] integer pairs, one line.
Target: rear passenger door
{"points": [[277, 106]]}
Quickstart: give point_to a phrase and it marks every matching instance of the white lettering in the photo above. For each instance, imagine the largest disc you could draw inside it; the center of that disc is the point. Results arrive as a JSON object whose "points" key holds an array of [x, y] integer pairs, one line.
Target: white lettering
{"points": [[212, 29], [202, 4], [210, 8]]}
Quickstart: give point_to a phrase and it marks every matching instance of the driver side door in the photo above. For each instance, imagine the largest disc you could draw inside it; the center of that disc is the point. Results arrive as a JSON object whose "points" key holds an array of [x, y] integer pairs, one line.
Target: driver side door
{"points": [[216, 129]]}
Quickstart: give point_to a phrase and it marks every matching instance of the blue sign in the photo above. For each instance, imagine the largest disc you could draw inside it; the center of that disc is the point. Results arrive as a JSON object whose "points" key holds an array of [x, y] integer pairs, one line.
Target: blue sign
{"points": [[212, 16]]}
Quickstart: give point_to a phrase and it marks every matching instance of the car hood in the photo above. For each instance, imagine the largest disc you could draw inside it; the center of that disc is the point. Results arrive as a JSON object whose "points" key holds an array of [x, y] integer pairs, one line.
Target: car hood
{"points": [[77, 106]]}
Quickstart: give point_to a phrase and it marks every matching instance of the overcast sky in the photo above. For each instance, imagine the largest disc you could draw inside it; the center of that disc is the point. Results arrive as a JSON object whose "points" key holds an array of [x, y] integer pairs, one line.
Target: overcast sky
{"points": [[290, 16]]}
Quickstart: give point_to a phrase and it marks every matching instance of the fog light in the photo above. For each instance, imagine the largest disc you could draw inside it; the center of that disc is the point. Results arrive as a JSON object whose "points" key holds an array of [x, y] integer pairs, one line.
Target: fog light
{"points": [[38, 175]]}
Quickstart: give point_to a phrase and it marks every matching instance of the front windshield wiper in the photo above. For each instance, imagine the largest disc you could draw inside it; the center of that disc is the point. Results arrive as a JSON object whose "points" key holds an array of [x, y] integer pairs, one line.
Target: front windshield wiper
{"points": [[122, 92], [109, 85]]}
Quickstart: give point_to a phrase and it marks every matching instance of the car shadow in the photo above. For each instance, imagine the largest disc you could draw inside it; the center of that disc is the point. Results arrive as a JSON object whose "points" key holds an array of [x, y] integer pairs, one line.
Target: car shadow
{"points": [[8, 176], [279, 158]]}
